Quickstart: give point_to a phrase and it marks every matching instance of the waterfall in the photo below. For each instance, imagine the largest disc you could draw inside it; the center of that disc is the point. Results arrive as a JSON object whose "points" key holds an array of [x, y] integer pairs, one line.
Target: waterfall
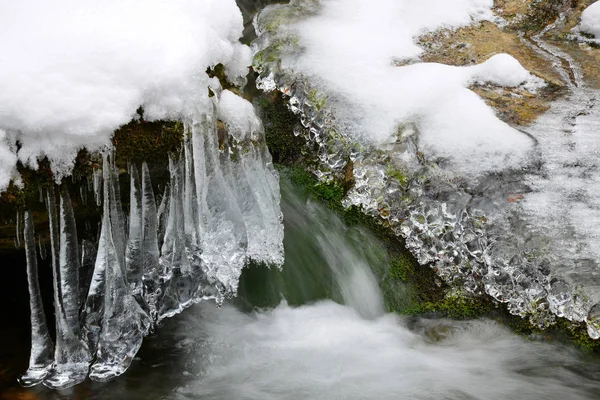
{"points": [[220, 210]]}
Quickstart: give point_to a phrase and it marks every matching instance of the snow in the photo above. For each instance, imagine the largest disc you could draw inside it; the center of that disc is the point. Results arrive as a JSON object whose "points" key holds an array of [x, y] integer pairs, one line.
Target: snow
{"points": [[72, 72], [347, 51], [239, 115], [590, 19], [8, 159]]}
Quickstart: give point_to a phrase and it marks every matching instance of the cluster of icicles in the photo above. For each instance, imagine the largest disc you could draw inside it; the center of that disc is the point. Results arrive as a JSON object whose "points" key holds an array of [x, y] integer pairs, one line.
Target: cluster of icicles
{"points": [[470, 239], [220, 210]]}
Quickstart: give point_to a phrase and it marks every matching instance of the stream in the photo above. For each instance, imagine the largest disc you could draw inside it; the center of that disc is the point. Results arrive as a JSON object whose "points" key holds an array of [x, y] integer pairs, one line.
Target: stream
{"points": [[318, 330]]}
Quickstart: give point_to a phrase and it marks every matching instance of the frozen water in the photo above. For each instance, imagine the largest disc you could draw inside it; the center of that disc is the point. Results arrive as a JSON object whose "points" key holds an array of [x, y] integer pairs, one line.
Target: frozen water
{"points": [[71, 355], [40, 359], [123, 322], [221, 209]]}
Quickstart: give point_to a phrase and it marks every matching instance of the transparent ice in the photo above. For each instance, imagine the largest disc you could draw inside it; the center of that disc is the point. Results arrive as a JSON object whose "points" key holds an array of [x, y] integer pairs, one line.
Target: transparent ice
{"points": [[219, 211]]}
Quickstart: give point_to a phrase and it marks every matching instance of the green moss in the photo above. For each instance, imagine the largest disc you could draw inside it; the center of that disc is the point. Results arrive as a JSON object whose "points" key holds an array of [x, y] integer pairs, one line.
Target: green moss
{"points": [[218, 71], [563, 330], [141, 140], [317, 99], [398, 175], [458, 307], [539, 15], [272, 52], [402, 268], [279, 123]]}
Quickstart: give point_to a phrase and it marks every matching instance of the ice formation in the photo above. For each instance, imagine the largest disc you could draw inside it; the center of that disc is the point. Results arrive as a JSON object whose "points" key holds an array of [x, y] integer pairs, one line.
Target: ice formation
{"points": [[76, 72], [40, 359], [590, 20], [222, 210], [492, 209]]}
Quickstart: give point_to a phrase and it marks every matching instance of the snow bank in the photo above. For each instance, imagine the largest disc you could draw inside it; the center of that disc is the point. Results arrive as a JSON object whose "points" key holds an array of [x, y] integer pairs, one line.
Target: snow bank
{"points": [[71, 72], [348, 49], [590, 19]]}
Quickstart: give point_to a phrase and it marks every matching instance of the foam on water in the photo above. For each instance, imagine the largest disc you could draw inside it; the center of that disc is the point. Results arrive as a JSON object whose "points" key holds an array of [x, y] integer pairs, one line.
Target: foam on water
{"points": [[328, 351]]}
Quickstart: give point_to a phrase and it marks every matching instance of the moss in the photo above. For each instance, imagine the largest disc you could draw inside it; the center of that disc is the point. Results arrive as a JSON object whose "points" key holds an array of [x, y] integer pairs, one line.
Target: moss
{"points": [[17, 198], [539, 14], [398, 175], [458, 307], [402, 268], [141, 140], [330, 194], [279, 123], [563, 330], [317, 99], [272, 52], [218, 71]]}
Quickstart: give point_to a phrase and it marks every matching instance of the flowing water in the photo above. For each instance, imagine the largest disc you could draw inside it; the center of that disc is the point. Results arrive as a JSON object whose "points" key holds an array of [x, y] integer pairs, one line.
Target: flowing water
{"points": [[318, 330]]}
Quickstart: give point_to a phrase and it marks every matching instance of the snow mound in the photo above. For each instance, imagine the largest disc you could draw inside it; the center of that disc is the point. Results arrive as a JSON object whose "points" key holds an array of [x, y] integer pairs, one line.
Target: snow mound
{"points": [[502, 70], [590, 19], [72, 72]]}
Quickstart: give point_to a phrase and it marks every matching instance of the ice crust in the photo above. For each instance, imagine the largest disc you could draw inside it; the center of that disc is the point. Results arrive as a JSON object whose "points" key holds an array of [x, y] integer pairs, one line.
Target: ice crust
{"points": [[72, 72]]}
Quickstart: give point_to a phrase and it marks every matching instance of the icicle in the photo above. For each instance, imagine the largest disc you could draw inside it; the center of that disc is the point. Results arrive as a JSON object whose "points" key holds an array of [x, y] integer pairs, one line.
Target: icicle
{"points": [[224, 246], [41, 192], [69, 262], [71, 355], [150, 253], [18, 231], [117, 219], [93, 309], [123, 322], [88, 259], [42, 248], [40, 358], [97, 185], [178, 287], [133, 252], [255, 173], [83, 194], [161, 216], [190, 203]]}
